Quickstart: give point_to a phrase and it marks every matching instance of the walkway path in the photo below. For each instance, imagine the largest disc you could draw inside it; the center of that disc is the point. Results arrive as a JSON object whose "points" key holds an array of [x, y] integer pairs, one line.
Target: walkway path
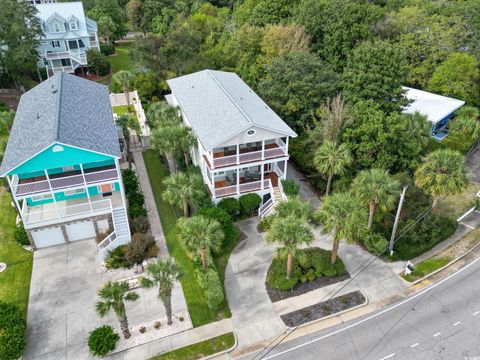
{"points": [[153, 216], [307, 192]]}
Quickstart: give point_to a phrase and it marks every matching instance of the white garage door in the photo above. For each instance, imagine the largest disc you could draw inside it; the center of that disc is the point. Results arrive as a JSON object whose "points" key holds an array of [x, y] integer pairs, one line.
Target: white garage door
{"points": [[48, 237], [80, 231]]}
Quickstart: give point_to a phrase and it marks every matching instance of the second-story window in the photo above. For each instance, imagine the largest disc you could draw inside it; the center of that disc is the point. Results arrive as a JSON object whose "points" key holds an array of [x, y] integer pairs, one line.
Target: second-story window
{"points": [[56, 44], [56, 27], [73, 25]]}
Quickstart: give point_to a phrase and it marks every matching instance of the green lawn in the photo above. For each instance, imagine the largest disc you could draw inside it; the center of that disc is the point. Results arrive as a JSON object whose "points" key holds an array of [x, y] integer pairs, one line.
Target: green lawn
{"points": [[426, 267], [120, 60], [199, 311], [123, 109], [201, 349], [456, 205]]}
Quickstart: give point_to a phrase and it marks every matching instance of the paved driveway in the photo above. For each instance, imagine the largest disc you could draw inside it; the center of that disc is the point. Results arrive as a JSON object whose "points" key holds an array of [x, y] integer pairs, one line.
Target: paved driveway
{"points": [[61, 310]]}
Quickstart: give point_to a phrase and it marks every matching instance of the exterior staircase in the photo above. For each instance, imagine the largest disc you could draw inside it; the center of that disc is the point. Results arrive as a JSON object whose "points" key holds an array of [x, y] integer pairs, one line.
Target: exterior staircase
{"points": [[268, 207], [119, 236]]}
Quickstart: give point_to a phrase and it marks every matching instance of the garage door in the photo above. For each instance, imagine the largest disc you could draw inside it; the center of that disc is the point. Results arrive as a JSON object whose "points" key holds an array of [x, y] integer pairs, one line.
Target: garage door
{"points": [[80, 231], [48, 237]]}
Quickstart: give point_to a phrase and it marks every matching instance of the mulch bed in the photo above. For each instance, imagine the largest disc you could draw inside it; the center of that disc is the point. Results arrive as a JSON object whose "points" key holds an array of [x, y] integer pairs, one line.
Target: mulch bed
{"points": [[323, 309], [300, 289]]}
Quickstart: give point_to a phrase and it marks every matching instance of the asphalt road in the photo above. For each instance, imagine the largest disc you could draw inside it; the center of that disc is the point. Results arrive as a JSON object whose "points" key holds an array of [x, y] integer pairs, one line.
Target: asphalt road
{"points": [[441, 322]]}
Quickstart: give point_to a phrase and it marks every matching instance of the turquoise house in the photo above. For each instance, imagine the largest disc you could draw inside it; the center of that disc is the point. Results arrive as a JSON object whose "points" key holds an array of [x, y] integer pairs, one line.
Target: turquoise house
{"points": [[62, 164]]}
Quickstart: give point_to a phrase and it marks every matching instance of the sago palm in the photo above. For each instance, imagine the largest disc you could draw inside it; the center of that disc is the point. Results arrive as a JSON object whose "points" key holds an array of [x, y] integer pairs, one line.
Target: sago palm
{"points": [[183, 190], [290, 232], [164, 274], [200, 235], [124, 78], [332, 159], [442, 173], [376, 188], [113, 296], [344, 216], [294, 206]]}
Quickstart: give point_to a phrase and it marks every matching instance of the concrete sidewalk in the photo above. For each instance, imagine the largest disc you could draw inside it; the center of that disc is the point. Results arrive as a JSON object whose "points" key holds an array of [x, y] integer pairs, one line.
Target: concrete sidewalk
{"points": [[307, 192]]}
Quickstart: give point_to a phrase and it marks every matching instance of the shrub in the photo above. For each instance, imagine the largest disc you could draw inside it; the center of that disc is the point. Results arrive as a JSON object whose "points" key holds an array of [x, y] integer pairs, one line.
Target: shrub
{"points": [[130, 181], [136, 198], [12, 331], [218, 214], [21, 236], [375, 243], [102, 340], [152, 252], [276, 277], [266, 222], [138, 248], [136, 211], [212, 288], [107, 49], [249, 202], [230, 205], [139, 224], [116, 258], [290, 187], [97, 63]]}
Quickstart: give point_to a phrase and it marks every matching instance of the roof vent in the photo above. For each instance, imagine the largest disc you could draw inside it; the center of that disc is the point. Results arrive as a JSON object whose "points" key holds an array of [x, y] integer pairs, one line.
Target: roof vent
{"points": [[55, 91]]}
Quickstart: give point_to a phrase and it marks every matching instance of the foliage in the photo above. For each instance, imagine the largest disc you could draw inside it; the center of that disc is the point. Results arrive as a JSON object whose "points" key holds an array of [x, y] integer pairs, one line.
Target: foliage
{"points": [[136, 211], [375, 71], [184, 190], [20, 235], [332, 159], [266, 222], [130, 181], [231, 206], [146, 85], [109, 9], [97, 63], [263, 12], [20, 33], [212, 288], [467, 121], [218, 214], [137, 249], [294, 206], [13, 328], [107, 49], [102, 340], [290, 187], [116, 258], [6, 120], [139, 224], [276, 276], [375, 243], [426, 267], [295, 84], [248, 203]]}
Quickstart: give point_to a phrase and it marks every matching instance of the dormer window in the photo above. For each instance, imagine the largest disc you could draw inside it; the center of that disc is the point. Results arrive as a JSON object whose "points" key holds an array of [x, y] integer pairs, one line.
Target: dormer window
{"points": [[56, 27], [73, 25]]}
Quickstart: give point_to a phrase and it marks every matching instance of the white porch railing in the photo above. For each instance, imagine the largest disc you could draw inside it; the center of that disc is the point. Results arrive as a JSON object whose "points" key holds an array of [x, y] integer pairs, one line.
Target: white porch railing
{"points": [[79, 56], [263, 210], [109, 244], [242, 188]]}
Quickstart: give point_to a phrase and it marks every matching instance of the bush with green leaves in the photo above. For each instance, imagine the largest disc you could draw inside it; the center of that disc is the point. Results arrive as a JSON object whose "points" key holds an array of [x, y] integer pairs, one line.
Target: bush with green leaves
{"points": [[130, 181], [116, 258], [12, 331], [218, 214], [211, 286], [136, 211], [276, 277], [137, 249], [102, 340], [375, 243], [249, 202], [107, 49], [231, 206], [136, 198], [290, 187], [97, 63], [21, 236], [266, 222]]}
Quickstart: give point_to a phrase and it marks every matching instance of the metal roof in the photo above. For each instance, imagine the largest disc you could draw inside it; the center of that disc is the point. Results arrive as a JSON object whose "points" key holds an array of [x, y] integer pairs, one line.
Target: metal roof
{"points": [[65, 109], [220, 105], [434, 107]]}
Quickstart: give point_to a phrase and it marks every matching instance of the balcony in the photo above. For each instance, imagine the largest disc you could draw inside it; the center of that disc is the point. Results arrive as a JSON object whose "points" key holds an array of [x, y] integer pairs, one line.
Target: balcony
{"points": [[228, 187], [250, 153], [40, 184]]}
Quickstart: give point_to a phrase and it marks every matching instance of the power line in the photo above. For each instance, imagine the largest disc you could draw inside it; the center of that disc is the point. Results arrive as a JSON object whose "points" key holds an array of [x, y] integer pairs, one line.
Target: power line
{"points": [[334, 292]]}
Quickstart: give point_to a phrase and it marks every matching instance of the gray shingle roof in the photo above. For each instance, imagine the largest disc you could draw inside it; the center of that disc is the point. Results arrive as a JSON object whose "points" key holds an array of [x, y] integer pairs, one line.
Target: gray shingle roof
{"points": [[219, 105], [65, 109]]}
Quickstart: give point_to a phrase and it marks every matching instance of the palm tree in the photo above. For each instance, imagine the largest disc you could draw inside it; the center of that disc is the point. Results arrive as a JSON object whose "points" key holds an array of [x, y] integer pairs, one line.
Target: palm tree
{"points": [[161, 114], [183, 190], [106, 27], [164, 274], [344, 216], [294, 206], [167, 141], [376, 188], [290, 232], [186, 141], [114, 295], [442, 173], [467, 121], [199, 235], [124, 78], [127, 122], [332, 159]]}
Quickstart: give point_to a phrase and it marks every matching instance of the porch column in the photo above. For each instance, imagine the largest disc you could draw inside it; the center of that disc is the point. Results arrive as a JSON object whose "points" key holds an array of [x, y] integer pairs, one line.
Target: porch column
{"points": [[286, 145], [86, 188], [238, 154], [262, 176], [52, 193], [285, 169], [238, 180], [263, 149], [210, 157], [213, 184]]}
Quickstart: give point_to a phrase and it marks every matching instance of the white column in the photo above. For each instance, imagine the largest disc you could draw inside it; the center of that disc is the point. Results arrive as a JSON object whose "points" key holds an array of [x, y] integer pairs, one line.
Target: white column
{"points": [[86, 188], [263, 149], [262, 175], [285, 170], [286, 145], [238, 154], [238, 180], [213, 184], [210, 157], [52, 193]]}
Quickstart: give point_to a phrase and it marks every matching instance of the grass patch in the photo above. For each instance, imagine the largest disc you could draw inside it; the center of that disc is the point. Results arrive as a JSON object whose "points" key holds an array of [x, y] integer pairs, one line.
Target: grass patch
{"points": [[201, 349], [456, 205], [15, 280], [120, 60], [123, 109], [197, 306], [426, 267]]}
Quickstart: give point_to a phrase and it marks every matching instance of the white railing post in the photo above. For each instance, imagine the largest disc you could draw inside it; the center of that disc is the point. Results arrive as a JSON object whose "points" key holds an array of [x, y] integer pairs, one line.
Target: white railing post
{"points": [[238, 181], [263, 149], [238, 154], [86, 188]]}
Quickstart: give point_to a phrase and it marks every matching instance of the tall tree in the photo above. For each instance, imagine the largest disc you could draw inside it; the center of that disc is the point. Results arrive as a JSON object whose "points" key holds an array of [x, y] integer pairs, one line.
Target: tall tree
{"points": [[20, 33], [467, 120], [262, 12], [184, 190], [135, 14], [124, 78], [200, 235], [376, 188], [332, 159], [166, 141], [187, 139], [344, 216], [290, 232], [164, 274], [375, 70], [127, 122], [106, 27], [113, 296], [442, 173], [160, 114], [115, 11], [293, 206]]}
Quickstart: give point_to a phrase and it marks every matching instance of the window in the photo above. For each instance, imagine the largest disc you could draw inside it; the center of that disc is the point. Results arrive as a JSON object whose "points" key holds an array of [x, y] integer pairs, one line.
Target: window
{"points": [[73, 25], [72, 44], [56, 27], [80, 43], [250, 132], [66, 62], [41, 197], [56, 44], [74, 192]]}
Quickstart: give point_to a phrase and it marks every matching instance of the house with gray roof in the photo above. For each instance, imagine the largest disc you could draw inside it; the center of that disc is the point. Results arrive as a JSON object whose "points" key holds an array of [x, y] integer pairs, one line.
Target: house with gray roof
{"points": [[67, 35], [242, 144], [62, 164]]}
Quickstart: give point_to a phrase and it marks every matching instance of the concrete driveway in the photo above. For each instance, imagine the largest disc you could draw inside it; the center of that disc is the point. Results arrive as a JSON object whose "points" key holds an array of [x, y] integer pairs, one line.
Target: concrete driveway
{"points": [[63, 293]]}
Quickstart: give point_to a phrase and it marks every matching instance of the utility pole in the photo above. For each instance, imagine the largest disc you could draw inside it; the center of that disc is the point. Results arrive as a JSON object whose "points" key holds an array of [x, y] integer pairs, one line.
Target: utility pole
{"points": [[397, 217]]}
